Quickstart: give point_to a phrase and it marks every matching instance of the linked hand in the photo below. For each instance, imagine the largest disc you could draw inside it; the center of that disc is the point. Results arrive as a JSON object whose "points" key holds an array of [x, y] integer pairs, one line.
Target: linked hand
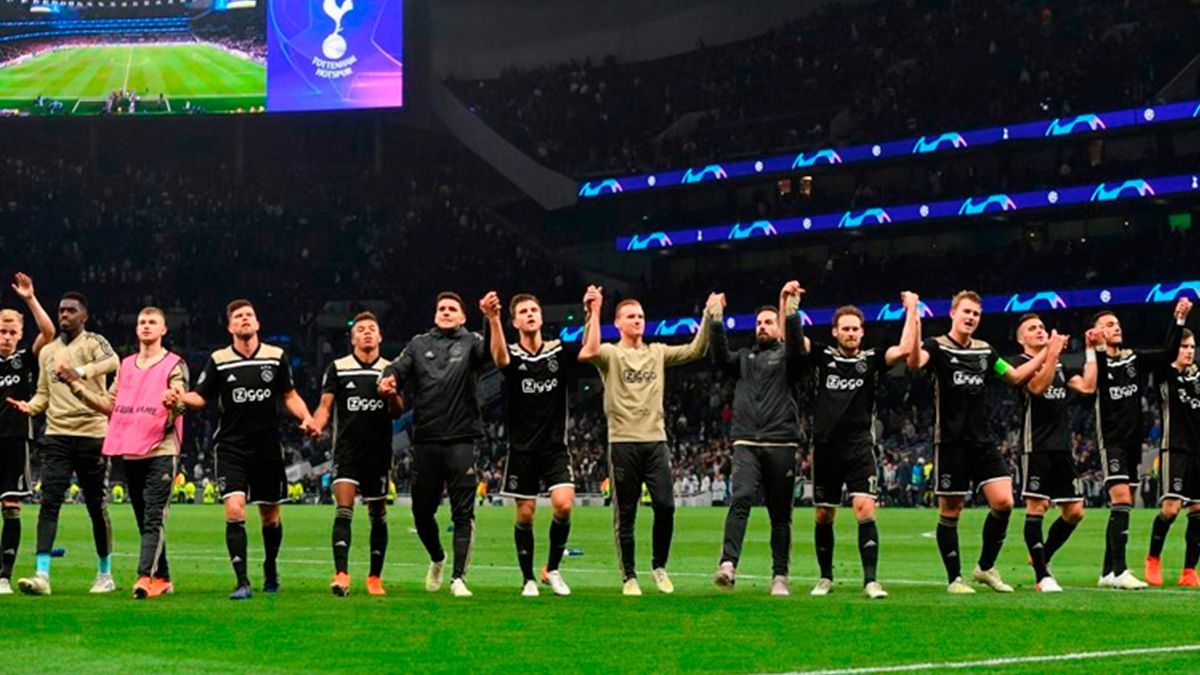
{"points": [[490, 305], [22, 406], [387, 386], [65, 374], [1182, 308]]}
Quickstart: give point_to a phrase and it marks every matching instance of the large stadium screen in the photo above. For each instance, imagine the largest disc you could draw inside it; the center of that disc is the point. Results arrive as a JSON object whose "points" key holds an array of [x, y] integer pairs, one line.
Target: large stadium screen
{"points": [[121, 57]]}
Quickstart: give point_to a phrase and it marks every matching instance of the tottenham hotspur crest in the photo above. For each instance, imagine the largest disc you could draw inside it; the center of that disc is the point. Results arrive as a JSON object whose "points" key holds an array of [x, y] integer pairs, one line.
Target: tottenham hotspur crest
{"points": [[334, 46]]}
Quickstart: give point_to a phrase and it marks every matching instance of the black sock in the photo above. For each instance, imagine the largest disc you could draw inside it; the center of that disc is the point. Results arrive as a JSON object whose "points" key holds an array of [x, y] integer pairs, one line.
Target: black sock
{"points": [[1158, 534], [1192, 538], [823, 538], [10, 540], [1035, 546], [995, 529], [235, 541], [560, 530], [947, 540], [523, 538], [1118, 537], [1060, 532], [868, 548], [272, 539], [342, 520], [379, 543], [464, 541], [1108, 543]]}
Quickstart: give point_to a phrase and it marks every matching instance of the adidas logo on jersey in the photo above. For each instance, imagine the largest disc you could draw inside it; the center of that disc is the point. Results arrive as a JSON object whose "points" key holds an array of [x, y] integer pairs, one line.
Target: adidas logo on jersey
{"points": [[522, 367], [350, 385], [232, 378]]}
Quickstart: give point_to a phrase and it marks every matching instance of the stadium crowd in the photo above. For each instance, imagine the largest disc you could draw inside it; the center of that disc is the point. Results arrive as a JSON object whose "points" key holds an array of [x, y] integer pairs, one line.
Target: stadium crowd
{"points": [[865, 71]]}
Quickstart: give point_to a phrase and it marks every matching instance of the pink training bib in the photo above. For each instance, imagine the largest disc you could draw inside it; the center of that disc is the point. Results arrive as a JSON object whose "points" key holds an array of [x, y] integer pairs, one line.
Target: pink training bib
{"points": [[139, 420]]}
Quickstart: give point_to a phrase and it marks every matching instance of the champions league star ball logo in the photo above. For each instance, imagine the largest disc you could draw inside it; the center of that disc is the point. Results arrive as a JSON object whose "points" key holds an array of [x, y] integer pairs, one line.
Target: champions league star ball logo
{"points": [[334, 46]]}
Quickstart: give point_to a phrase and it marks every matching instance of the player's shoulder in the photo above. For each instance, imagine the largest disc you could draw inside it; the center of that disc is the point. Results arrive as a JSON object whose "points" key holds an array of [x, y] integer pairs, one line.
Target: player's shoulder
{"points": [[266, 351], [1123, 357], [99, 340], [347, 362], [224, 355]]}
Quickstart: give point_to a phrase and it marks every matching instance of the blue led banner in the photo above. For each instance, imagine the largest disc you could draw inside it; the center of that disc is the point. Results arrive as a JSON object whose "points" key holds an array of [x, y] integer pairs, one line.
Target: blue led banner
{"points": [[1136, 188], [1005, 303], [923, 145]]}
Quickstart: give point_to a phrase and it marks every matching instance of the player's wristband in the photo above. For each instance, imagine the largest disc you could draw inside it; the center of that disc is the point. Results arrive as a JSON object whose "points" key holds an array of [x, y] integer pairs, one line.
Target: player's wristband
{"points": [[1180, 322], [81, 372], [1090, 356]]}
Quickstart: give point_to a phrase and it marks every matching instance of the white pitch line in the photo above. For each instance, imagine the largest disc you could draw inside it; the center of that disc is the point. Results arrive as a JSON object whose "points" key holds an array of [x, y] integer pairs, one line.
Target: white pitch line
{"points": [[128, 65], [1004, 661]]}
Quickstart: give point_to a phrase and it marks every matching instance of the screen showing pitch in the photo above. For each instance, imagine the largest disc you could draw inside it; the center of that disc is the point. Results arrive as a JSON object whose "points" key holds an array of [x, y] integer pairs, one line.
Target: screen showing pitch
{"points": [[123, 57]]}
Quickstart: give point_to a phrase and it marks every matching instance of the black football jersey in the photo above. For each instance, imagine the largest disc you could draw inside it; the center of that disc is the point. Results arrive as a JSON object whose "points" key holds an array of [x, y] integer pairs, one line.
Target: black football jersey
{"points": [[17, 381], [362, 420], [536, 387], [248, 391], [1044, 426], [960, 375], [845, 393]]}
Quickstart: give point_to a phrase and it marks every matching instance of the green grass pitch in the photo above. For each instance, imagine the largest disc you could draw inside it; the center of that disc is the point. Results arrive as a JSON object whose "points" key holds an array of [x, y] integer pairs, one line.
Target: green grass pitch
{"points": [[699, 629], [201, 73]]}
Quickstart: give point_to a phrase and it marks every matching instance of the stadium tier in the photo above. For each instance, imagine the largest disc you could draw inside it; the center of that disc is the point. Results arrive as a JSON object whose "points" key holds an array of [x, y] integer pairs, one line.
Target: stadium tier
{"points": [[932, 144]]}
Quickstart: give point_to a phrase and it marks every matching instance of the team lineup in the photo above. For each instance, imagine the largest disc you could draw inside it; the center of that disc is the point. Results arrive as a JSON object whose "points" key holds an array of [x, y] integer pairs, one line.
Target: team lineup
{"points": [[137, 414]]}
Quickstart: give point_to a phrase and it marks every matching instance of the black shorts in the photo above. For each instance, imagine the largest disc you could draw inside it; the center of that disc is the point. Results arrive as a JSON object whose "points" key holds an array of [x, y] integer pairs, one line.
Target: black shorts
{"points": [[851, 464], [258, 475], [1050, 475], [370, 472], [15, 480], [960, 468], [1120, 465], [1180, 476], [525, 472]]}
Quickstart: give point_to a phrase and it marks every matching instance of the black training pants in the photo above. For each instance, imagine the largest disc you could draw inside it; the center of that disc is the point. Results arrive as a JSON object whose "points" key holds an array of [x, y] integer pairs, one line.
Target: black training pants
{"points": [[61, 457], [448, 466], [631, 465], [150, 482], [771, 471]]}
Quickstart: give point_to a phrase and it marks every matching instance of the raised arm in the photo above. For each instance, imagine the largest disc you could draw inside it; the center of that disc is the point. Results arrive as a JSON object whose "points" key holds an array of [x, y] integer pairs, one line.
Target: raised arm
{"points": [[1044, 376], [917, 357], [912, 316], [677, 355], [593, 301], [490, 306], [1017, 377], [796, 346], [1168, 355], [722, 357], [46, 331], [1085, 384]]}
